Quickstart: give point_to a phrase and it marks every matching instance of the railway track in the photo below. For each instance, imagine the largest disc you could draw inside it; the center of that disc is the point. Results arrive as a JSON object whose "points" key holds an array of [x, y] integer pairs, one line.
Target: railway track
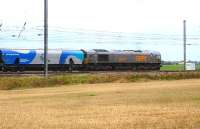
{"points": [[32, 73], [41, 73]]}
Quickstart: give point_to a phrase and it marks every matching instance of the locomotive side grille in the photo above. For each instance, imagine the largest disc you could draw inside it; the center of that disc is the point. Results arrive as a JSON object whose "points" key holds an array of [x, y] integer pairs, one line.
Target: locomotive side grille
{"points": [[103, 58], [141, 58]]}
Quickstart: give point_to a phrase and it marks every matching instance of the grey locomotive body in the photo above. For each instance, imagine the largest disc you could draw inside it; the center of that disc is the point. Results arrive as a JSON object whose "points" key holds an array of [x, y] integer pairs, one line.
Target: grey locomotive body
{"points": [[122, 59]]}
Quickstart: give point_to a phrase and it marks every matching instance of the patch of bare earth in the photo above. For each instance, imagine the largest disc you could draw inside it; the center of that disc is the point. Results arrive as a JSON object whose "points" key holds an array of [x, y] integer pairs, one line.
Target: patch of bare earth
{"points": [[143, 105]]}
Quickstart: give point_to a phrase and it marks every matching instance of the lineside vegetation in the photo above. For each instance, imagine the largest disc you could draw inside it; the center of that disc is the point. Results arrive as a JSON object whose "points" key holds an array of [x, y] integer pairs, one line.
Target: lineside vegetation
{"points": [[9, 83]]}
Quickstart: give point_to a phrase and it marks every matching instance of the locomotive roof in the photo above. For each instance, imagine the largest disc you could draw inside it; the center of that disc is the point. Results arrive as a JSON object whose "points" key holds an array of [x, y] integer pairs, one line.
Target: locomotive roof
{"points": [[123, 51], [93, 51]]}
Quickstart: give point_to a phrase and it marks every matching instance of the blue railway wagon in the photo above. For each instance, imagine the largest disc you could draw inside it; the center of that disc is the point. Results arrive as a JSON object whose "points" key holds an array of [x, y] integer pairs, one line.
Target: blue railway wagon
{"points": [[34, 59]]}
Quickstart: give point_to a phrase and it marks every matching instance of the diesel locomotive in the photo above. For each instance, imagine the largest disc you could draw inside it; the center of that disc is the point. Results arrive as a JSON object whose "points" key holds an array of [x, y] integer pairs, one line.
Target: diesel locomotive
{"points": [[68, 60]]}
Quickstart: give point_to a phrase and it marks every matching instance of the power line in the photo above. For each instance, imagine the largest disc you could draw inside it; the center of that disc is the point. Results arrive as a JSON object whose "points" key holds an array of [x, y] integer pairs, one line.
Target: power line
{"points": [[1, 26], [23, 28]]}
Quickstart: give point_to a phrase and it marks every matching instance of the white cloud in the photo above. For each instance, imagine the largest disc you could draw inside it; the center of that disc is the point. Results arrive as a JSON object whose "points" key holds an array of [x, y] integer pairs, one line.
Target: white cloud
{"points": [[113, 15]]}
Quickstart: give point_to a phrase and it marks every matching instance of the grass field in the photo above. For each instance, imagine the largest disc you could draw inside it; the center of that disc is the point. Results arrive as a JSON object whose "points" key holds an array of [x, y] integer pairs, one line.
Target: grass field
{"points": [[198, 67], [175, 67], [142, 105]]}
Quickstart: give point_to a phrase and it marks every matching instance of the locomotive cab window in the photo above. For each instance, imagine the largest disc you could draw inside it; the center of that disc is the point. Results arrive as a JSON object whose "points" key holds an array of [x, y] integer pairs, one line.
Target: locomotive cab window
{"points": [[103, 58]]}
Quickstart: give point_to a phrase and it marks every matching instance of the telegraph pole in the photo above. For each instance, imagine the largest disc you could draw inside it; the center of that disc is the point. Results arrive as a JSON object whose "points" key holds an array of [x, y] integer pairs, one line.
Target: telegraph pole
{"points": [[45, 38], [184, 42]]}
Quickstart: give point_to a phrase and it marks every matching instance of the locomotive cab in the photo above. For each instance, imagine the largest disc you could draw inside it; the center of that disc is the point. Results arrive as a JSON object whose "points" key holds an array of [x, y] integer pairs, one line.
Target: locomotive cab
{"points": [[1, 60], [102, 55], [1, 57]]}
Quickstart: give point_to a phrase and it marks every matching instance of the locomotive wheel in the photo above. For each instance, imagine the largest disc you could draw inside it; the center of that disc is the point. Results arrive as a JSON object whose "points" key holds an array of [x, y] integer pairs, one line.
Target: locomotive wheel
{"points": [[21, 69], [1, 68], [113, 67], [14, 69], [134, 68], [71, 63], [4, 69]]}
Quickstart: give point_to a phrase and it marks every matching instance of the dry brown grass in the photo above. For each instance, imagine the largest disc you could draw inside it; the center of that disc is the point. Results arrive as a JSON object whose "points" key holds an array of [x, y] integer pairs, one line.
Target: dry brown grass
{"points": [[143, 105], [23, 82]]}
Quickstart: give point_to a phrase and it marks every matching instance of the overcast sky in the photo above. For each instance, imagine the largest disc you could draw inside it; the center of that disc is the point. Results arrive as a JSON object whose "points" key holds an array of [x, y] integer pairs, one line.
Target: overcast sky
{"points": [[109, 15]]}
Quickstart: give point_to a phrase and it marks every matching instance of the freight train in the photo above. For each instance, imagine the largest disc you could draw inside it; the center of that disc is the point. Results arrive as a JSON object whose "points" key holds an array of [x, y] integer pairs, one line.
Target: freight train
{"points": [[68, 60]]}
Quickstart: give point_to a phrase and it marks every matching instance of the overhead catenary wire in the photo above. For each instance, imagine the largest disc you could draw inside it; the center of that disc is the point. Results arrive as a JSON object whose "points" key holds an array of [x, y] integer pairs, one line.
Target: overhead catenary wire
{"points": [[59, 34], [23, 28], [1, 24]]}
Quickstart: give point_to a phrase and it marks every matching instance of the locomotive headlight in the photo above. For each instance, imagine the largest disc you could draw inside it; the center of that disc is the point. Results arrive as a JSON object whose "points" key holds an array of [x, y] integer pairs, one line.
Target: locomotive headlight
{"points": [[158, 57]]}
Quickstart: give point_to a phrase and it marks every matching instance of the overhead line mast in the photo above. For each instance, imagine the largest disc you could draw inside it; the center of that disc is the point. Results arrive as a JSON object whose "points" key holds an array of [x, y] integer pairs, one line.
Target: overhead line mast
{"points": [[184, 43], [46, 38]]}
